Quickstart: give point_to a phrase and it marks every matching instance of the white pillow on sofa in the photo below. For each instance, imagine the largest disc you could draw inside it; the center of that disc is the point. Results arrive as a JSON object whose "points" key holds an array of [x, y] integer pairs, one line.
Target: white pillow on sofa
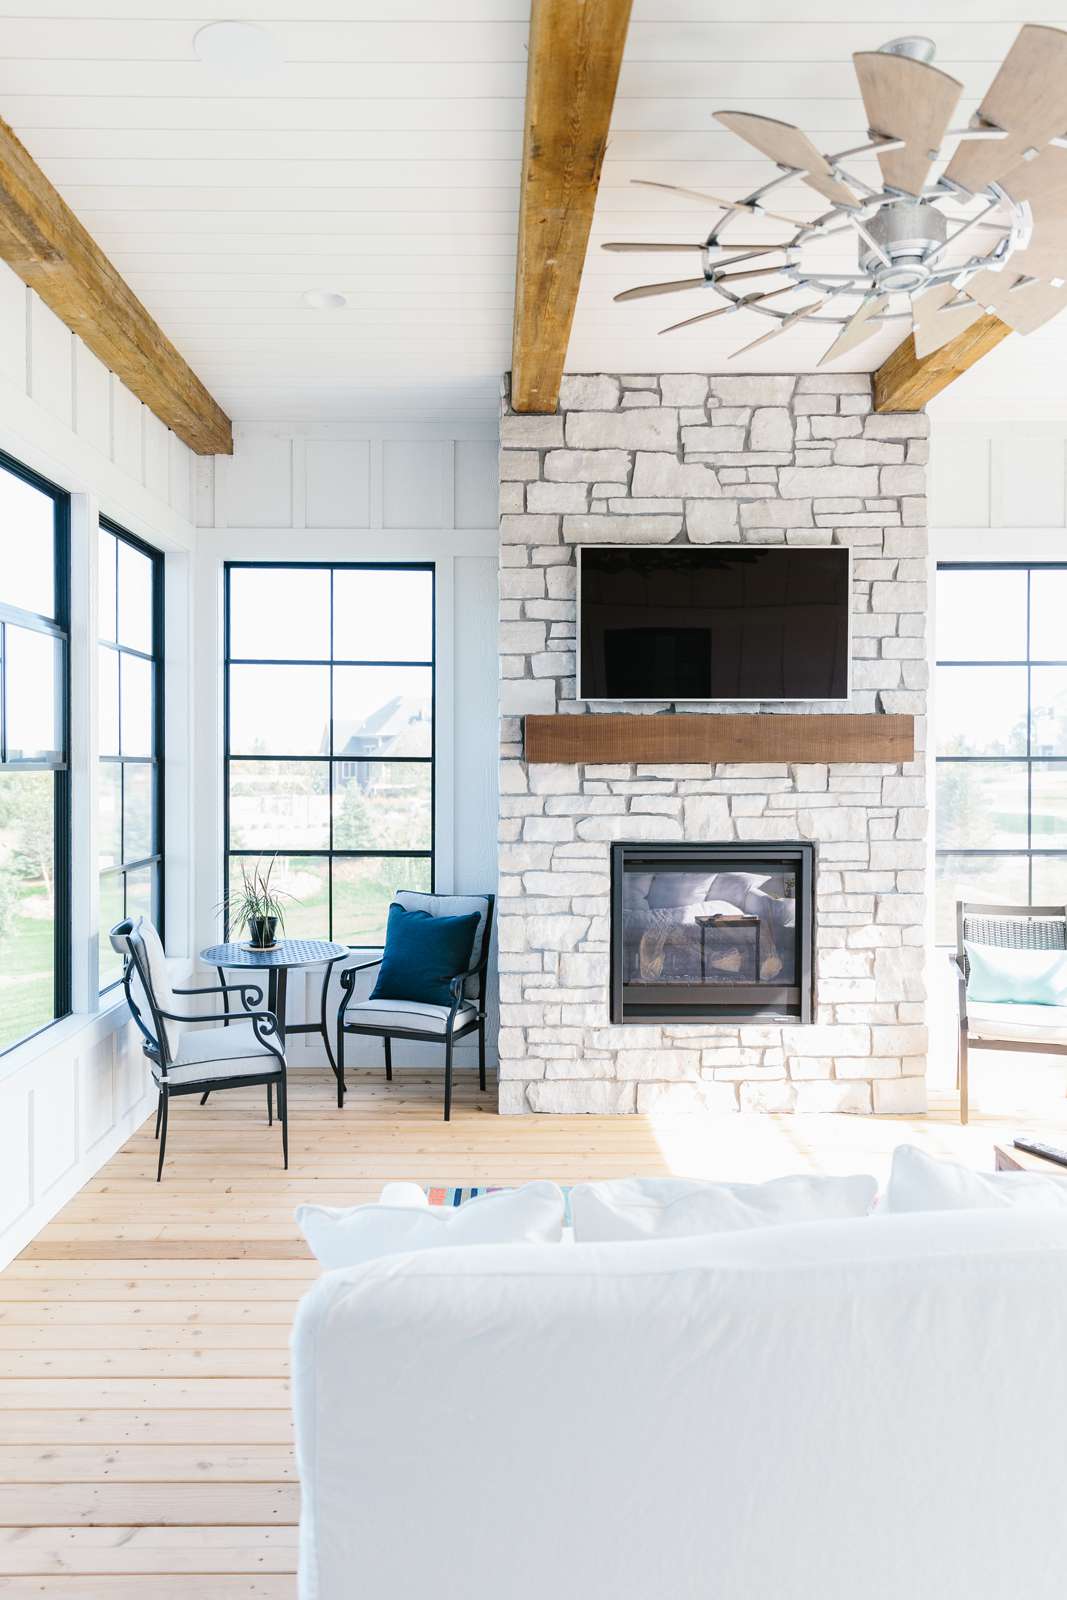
{"points": [[675, 1208], [346, 1236], [918, 1182]]}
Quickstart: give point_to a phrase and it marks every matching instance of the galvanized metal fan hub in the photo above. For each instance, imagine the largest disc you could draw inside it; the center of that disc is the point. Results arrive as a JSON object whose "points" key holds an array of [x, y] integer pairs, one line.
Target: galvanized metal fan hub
{"points": [[899, 238]]}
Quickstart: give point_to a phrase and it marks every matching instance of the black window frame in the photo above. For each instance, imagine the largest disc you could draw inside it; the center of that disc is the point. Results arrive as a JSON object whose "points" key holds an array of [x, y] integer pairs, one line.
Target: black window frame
{"points": [[332, 761], [1029, 851], [156, 657], [56, 627]]}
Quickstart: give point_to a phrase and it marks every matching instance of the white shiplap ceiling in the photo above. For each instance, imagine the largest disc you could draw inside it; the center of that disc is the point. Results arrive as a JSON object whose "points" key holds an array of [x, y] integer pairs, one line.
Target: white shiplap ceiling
{"points": [[381, 159]]}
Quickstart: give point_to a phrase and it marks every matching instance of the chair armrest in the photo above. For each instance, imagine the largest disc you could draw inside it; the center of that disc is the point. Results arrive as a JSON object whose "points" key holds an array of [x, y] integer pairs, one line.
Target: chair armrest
{"points": [[347, 975], [252, 989], [226, 1016], [347, 980], [456, 984], [961, 985]]}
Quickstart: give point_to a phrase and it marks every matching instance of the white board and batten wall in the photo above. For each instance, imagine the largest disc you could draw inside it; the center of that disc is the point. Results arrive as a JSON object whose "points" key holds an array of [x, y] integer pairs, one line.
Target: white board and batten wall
{"points": [[365, 491], [992, 478], [70, 1096]]}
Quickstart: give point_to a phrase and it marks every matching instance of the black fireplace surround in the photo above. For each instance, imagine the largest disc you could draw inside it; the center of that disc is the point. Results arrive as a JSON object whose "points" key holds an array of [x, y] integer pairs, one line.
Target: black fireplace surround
{"points": [[712, 932]]}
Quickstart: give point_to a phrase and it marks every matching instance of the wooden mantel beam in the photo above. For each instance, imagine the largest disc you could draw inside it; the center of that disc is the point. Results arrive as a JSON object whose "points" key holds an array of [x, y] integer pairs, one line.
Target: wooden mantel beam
{"points": [[575, 53], [43, 241], [906, 382]]}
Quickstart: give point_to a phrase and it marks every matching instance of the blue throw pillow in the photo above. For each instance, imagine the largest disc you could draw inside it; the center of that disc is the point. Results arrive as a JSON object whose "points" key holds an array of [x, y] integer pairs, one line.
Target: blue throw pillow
{"points": [[422, 954], [1016, 977]]}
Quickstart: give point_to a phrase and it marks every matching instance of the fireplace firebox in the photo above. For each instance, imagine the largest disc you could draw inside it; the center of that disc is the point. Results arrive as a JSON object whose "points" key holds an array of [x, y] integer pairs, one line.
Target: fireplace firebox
{"points": [[712, 932]]}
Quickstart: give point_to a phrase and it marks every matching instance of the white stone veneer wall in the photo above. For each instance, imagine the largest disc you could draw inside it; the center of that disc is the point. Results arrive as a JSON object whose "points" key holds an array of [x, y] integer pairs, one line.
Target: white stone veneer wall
{"points": [[687, 458]]}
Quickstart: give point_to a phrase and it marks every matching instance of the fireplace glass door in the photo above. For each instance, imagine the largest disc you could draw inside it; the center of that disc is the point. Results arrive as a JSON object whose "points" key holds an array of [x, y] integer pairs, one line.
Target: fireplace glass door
{"points": [[710, 931]]}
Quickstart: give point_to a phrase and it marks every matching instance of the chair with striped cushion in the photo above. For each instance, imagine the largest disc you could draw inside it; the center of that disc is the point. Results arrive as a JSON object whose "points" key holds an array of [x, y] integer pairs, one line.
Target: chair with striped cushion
{"points": [[245, 1051], [412, 1019]]}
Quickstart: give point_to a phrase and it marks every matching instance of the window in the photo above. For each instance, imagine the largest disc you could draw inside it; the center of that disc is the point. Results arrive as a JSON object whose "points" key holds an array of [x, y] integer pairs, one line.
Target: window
{"points": [[34, 776], [330, 739], [130, 686], [1001, 709]]}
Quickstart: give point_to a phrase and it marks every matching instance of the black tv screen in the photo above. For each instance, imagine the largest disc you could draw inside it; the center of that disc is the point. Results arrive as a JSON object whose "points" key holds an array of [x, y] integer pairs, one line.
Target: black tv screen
{"points": [[684, 622]]}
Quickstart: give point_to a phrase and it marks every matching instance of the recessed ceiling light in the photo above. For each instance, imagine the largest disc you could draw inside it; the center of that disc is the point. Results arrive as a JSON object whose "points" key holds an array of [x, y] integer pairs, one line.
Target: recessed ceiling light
{"points": [[323, 299], [240, 48]]}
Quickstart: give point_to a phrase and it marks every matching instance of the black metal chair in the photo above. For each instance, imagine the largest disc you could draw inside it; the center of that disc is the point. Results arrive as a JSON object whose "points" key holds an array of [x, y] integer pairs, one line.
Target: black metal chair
{"points": [[203, 1061], [409, 1019], [992, 1027]]}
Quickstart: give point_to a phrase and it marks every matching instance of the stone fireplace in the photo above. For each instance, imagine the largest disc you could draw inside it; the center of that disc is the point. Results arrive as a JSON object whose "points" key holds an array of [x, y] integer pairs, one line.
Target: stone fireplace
{"points": [[711, 933], [688, 458]]}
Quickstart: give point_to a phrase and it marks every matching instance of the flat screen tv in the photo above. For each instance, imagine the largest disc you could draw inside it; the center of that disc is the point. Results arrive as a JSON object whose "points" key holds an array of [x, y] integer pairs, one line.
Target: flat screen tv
{"points": [[713, 622]]}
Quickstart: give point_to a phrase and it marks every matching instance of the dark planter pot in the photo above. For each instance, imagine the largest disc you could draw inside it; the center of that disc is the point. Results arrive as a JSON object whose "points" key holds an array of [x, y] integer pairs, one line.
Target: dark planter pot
{"points": [[262, 931]]}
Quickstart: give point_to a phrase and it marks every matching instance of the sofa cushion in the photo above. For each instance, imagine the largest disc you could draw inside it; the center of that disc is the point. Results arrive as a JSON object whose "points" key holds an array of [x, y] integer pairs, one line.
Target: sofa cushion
{"points": [[1018, 977], [665, 1208], [205, 1054], [1027, 1024], [347, 1236], [409, 1016], [918, 1182]]}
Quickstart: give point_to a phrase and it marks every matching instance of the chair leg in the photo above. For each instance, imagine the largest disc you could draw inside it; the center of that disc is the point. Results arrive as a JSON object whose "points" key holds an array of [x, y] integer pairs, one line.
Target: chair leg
{"points": [[165, 1098], [340, 1066], [283, 1117], [270, 1105], [203, 1097], [448, 1078], [964, 1086], [388, 1043], [481, 1056], [159, 1111]]}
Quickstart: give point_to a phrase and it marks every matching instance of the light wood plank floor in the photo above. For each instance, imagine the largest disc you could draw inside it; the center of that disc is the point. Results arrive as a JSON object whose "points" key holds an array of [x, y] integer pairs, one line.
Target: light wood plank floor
{"points": [[143, 1335]]}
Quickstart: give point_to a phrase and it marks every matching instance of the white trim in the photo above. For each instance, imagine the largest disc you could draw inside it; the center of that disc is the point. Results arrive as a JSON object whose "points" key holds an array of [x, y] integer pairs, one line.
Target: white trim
{"points": [[998, 544], [762, 699], [445, 807], [84, 732]]}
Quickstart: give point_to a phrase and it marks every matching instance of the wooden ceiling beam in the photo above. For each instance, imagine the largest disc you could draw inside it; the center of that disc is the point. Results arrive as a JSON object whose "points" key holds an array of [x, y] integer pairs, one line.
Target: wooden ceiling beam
{"points": [[574, 58], [43, 241], [906, 382]]}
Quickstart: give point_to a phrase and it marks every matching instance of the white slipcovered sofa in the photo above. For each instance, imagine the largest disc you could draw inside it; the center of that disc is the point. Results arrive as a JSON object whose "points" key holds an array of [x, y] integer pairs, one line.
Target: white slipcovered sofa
{"points": [[869, 1409]]}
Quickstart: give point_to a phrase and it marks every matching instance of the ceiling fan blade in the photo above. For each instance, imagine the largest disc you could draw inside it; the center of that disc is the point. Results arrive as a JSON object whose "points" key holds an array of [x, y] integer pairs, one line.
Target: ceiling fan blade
{"points": [[628, 244], [933, 325], [644, 291], [1024, 304], [734, 305], [741, 277], [906, 99], [860, 326], [1028, 98], [783, 327], [1040, 180], [789, 147], [748, 207], [1046, 254], [751, 249]]}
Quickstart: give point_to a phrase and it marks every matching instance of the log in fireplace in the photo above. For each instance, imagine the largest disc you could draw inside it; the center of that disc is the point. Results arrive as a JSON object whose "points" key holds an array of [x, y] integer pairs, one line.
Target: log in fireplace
{"points": [[719, 932]]}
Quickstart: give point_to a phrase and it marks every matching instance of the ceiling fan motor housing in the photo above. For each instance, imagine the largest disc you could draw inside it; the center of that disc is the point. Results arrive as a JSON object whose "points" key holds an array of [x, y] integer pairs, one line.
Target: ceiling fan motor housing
{"points": [[907, 231]]}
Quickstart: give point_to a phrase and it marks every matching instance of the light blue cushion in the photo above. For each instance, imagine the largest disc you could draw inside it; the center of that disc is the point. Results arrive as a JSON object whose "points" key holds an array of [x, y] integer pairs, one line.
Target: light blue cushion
{"points": [[1017, 977]]}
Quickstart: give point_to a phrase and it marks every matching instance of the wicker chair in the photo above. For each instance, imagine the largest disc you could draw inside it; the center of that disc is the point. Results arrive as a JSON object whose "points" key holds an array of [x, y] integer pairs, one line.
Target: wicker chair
{"points": [[994, 1027]]}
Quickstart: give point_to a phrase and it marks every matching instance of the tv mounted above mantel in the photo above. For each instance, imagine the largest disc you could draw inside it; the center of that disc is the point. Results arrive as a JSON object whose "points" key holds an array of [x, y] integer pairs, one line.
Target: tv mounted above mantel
{"points": [[684, 623]]}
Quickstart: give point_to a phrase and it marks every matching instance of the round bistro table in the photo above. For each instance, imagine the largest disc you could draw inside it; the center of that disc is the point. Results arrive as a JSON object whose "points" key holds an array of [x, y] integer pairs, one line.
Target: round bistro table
{"points": [[276, 963]]}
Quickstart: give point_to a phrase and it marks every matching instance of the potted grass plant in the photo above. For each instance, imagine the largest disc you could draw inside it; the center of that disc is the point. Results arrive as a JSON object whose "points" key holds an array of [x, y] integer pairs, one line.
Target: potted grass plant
{"points": [[257, 906]]}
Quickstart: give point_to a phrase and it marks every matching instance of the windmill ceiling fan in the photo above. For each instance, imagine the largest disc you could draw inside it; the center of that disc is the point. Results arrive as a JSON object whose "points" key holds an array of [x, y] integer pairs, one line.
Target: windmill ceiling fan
{"points": [[988, 234]]}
